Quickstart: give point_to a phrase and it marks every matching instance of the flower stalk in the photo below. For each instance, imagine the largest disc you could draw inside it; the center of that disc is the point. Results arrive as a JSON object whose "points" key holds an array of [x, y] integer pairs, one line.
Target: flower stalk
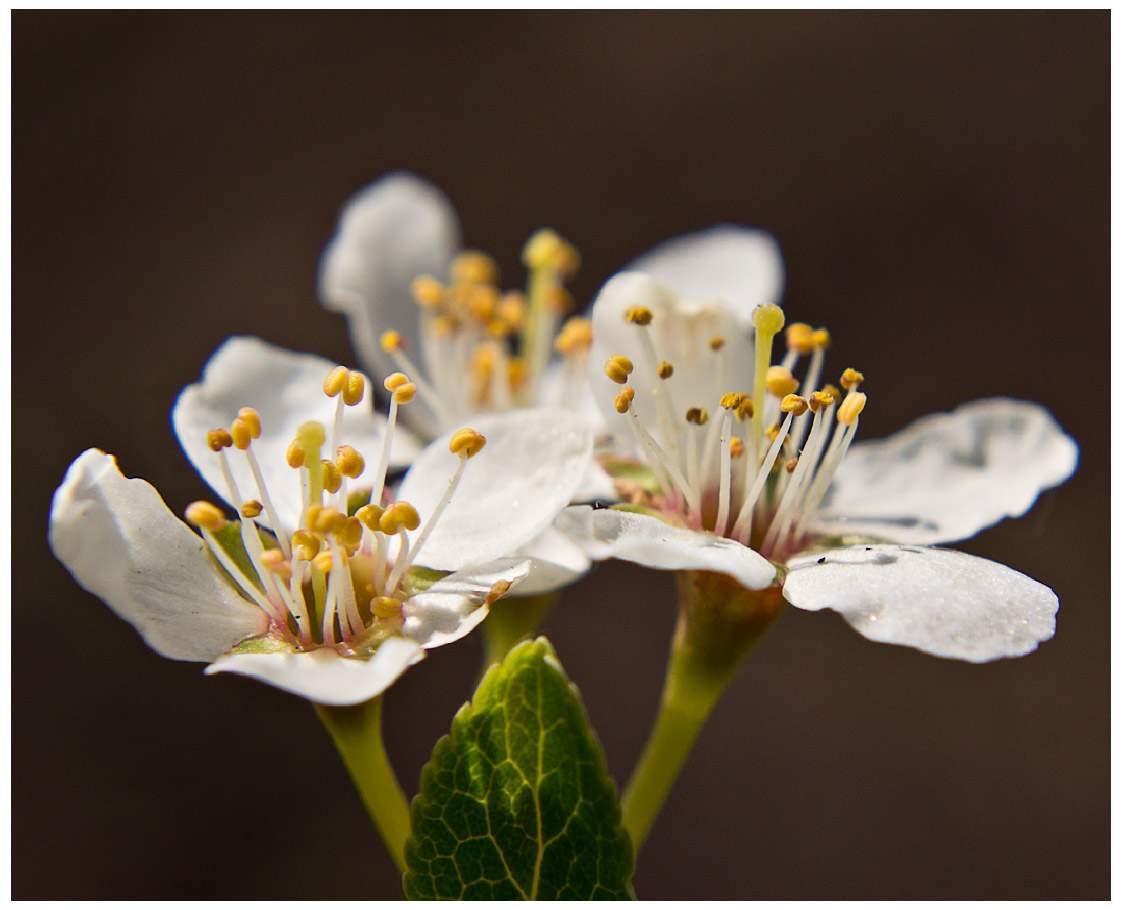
{"points": [[719, 623], [357, 732], [510, 621]]}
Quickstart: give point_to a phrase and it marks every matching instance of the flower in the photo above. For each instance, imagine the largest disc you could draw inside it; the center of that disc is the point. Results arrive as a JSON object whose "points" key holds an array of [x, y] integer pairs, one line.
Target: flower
{"points": [[727, 470], [396, 270], [318, 587]]}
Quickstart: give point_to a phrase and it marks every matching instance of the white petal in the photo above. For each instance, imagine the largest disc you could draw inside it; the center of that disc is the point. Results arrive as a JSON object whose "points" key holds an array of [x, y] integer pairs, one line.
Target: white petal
{"points": [[556, 561], [947, 476], [532, 464], [323, 676], [457, 603], [120, 542], [286, 389], [397, 228], [738, 265], [680, 330], [644, 539], [946, 603]]}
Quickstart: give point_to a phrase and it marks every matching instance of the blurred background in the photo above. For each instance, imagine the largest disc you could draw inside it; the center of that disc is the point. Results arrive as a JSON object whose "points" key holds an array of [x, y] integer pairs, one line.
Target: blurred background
{"points": [[939, 185]]}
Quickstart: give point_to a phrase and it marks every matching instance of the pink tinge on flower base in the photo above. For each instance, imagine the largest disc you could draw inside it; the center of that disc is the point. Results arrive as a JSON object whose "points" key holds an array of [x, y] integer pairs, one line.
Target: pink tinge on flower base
{"points": [[730, 462], [306, 588]]}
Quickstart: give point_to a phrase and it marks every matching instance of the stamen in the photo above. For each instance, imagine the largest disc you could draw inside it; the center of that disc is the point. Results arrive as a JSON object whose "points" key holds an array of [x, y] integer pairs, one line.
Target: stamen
{"points": [[665, 370], [780, 382], [349, 462], [851, 379], [466, 443], [474, 267], [427, 292], [729, 402], [618, 368], [251, 509], [658, 457], [205, 515]]}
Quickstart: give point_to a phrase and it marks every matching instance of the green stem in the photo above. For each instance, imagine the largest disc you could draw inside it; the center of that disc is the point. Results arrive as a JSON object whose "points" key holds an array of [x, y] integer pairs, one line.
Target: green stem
{"points": [[510, 621], [357, 731], [719, 623]]}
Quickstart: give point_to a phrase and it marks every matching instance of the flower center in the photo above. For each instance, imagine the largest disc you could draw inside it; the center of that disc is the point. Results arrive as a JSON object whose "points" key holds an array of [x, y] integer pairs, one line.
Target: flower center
{"points": [[341, 577], [488, 350], [758, 470]]}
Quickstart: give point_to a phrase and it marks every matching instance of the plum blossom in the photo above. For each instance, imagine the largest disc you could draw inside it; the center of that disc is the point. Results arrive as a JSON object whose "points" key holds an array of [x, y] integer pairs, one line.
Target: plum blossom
{"points": [[321, 585], [727, 469]]}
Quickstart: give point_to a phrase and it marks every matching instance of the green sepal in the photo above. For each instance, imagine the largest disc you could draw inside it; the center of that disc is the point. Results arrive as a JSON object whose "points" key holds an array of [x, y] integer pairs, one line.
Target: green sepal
{"points": [[229, 538], [639, 474], [356, 499], [516, 802]]}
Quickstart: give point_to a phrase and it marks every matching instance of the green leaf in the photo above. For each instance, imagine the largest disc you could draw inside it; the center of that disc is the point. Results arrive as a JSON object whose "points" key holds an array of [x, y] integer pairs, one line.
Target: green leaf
{"points": [[516, 802]]}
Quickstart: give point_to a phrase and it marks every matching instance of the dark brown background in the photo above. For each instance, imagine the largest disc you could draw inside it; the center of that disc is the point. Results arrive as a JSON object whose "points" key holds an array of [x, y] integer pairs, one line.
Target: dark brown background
{"points": [[939, 184]]}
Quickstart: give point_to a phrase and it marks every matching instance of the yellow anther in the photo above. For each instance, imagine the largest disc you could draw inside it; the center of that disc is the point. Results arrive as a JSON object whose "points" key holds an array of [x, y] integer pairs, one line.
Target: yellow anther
{"points": [[332, 479], [512, 309], [252, 419], [392, 342], [618, 368], [399, 515], [639, 315], [405, 393], [349, 462], [335, 382], [251, 508], [558, 299], [746, 409], [326, 520], [274, 561], [474, 267], [665, 370], [780, 382], [369, 515], [623, 402], [498, 328], [730, 400], [351, 534], [517, 371], [717, 342], [305, 545], [443, 326], [793, 404], [800, 337], [295, 454], [772, 432], [466, 443], [697, 416], [482, 302], [394, 380], [768, 318], [218, 440], [853, 405], [790, 465], [310, 434], [851, 379], [385, 607], [205, 515], [820, 400], [322, 562], [736, 446], [427, 292], [832, 390], [575, 336], [242, 434], [821, 338], [356, 388]]}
